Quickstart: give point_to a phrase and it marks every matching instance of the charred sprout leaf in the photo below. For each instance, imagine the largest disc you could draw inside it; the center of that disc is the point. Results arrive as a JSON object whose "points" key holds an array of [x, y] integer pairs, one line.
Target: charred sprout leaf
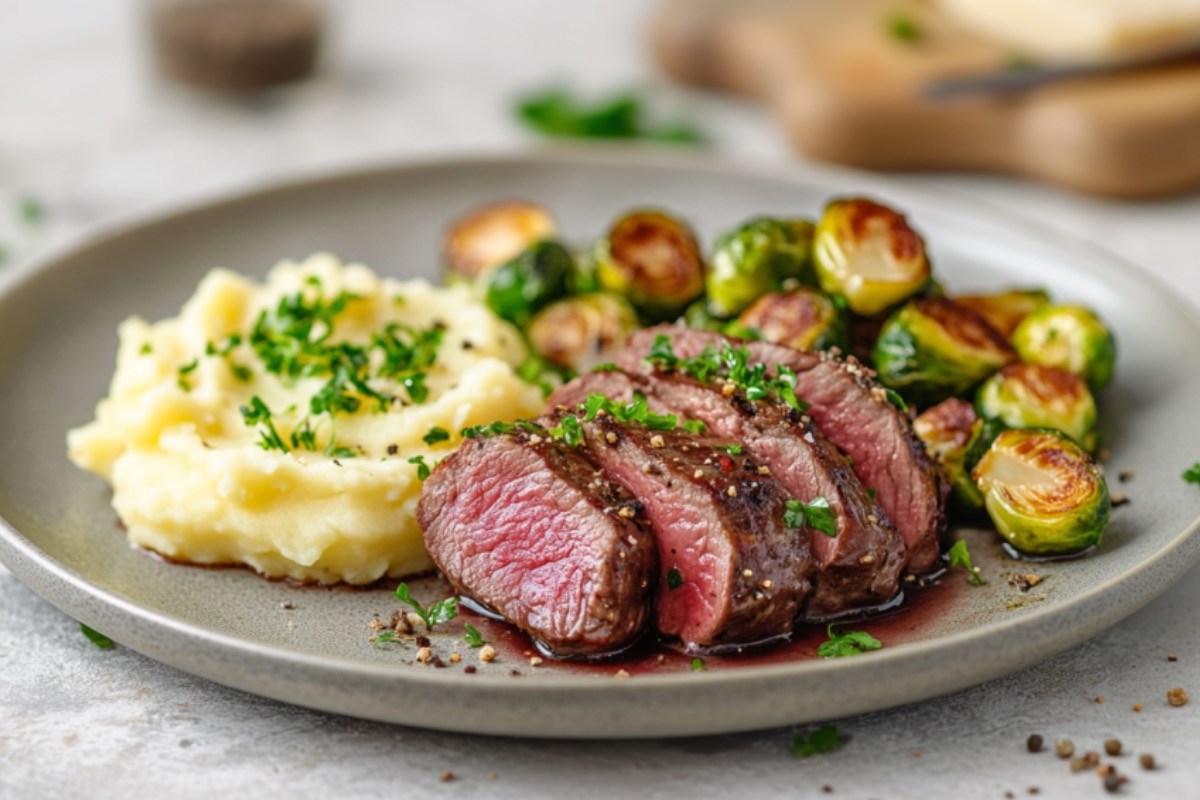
{"points": [[435, 435], [948, 431], [570, 431], [698, 665], [867, 253], [652, 259], [579, 332], [849, 643], [822, 740], [1005, 311], [960, 556], [556, 113], [518, 289], [1192, 474], [422, 467], [473, 637], [97, 638], [1035, 396], [674, 579], [1043, 493], [1070, 338], [801, 318], [493, 235], [754, 259], [816, 515], [932, 349], [439, 612]]}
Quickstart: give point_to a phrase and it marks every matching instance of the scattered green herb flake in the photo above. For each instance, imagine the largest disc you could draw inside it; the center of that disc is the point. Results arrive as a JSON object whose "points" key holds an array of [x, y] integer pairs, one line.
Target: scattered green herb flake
{"points": [[694, 426], [387, 637], [499, 428], [257, 413], [872, 492], [554, 112], [439, 612], [30, 210], [1192, 474], [895, 399], [849, 643], [822, 740], [349, 452], [606, 367], [635, 412], [435, 435], [732, 449], [473, 637], [816, 515], [146, 349], [698, 665], [422, 467], [187, 369], [570, 431], [241, 372], [960, 556], [97, 638], [732, 365], [904, 28], [674, 579]]}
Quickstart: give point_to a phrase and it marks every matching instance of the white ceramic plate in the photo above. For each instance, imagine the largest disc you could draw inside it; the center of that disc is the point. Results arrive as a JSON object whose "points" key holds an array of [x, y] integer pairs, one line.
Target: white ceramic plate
{"points": [[58, 533]]}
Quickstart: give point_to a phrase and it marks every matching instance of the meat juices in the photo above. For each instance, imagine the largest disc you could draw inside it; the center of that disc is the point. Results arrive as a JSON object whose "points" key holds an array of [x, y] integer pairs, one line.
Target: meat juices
{"points": [[527, 526]]}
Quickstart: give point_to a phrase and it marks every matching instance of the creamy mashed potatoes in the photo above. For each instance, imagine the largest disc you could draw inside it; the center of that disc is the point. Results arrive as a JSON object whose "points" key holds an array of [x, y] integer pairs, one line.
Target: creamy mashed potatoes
{"points": [[285, 425]]}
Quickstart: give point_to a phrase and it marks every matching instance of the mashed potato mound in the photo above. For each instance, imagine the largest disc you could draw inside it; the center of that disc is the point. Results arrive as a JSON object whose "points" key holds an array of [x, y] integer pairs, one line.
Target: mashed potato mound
{"points": [[286, 425]]}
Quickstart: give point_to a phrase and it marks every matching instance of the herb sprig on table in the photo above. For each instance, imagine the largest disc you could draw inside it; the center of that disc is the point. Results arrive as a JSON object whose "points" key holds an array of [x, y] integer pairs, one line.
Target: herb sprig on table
{"points": [[557, 113]]}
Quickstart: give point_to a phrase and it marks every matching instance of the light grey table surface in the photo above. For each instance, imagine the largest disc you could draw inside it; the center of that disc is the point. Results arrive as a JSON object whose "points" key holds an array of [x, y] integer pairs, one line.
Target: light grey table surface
{"points": [[96, 139]]}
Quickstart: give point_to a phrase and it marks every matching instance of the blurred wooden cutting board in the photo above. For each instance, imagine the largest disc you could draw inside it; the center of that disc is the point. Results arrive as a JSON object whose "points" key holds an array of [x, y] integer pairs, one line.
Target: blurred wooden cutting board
{"points": [[847, 90]]}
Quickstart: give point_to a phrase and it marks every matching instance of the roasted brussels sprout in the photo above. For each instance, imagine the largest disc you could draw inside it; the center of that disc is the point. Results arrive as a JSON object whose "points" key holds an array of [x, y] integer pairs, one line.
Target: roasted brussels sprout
{"points": [[948, 430], [868, 253], [754, 259], [493, 235], [801, 318], [580, 332], [1044, 494], [1070, 338], [653, 260], [1034, 396], [697, 316], [932, 349], [1004, 311], [517, 289]]}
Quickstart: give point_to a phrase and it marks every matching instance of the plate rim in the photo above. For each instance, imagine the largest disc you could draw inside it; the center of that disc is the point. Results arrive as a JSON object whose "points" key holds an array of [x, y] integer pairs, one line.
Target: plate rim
{"points": [[78, 596]]}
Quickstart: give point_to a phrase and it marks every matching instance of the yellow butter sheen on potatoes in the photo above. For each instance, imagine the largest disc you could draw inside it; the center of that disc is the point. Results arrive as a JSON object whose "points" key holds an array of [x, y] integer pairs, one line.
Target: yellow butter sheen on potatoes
{"points": [[218, 454]]}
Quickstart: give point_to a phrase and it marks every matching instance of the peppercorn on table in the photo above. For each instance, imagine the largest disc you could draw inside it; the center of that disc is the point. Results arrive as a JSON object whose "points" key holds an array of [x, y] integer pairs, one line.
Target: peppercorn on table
{"points": [[95, 137]]}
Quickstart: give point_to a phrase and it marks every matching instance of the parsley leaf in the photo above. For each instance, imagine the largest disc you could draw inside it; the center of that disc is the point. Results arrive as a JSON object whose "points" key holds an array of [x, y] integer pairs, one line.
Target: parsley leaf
{"points": [[732, 449], [694, 426], [436, 435], [674, 579], [554, 112], [473, 637], [850, 643], [816, 515], [441, 611], [904, 28], [698, 665], [607, 366], [570, 431], [734, 366], [636, 412], [422, 467], [1192, 474], [257, 413], [822, 740], [97, 638], [499, 428], [872, 492], [184, 371], [961, 557], [895, 399]]}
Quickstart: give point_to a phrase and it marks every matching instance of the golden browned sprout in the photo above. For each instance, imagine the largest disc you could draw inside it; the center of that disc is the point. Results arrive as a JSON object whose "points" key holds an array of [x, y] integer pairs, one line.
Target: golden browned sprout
{"points": [[652, 259], [1005, 310], [492, 235], [581, 332], [802, 318]]}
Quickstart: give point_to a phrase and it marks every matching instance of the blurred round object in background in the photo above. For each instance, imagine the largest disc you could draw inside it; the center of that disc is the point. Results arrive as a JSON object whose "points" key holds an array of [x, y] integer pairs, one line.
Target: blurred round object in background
{"points": [[236, 45]]}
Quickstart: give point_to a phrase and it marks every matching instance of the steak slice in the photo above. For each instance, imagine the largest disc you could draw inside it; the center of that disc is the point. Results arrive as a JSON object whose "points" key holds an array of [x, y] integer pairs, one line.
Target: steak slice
{"points": [[855, 414], [730, 572], [858, 568], [527, 526]]}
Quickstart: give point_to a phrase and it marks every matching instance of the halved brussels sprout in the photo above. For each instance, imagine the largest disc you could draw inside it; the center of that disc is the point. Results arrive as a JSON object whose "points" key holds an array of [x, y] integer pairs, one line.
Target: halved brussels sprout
{"points": [[868, 253], [519, 288], [1070, 338], [932, 349], [1005, 310], [492, 235], [1034, 396], [1043, 493], [754, 259], [581, 332], [653, 260], [801, 318], [948, 430]]}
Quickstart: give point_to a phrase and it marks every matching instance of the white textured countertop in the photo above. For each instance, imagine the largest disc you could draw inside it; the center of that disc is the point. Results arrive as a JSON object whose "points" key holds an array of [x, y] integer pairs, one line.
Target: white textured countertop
{"points": [[89, 133]]}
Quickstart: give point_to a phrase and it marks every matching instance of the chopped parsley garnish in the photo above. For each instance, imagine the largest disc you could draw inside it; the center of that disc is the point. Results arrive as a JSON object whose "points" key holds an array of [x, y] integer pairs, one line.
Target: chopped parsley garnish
{"points": [[257, 413], [816, 515], [473, 637], [439, 612], [823, 740], [436, 435], [674, 579], [500, 428], [872, 492], [570, 431], [694, 426], [850, 643], [732, 449], [895, 399], [1192, 474], [634, 412], [387, 637], [733, 365], [422, 467], [698, 665], [187, 369], [608, 366], [555, 112], [961, 557], [146, 349], [903, 28], [97, 638]]}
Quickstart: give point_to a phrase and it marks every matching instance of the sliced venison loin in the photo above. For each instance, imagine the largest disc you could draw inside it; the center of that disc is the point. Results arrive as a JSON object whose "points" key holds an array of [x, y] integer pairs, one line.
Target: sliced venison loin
{"points": [[528, 527], [855, 414], [730, 572], [857, 569]]}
